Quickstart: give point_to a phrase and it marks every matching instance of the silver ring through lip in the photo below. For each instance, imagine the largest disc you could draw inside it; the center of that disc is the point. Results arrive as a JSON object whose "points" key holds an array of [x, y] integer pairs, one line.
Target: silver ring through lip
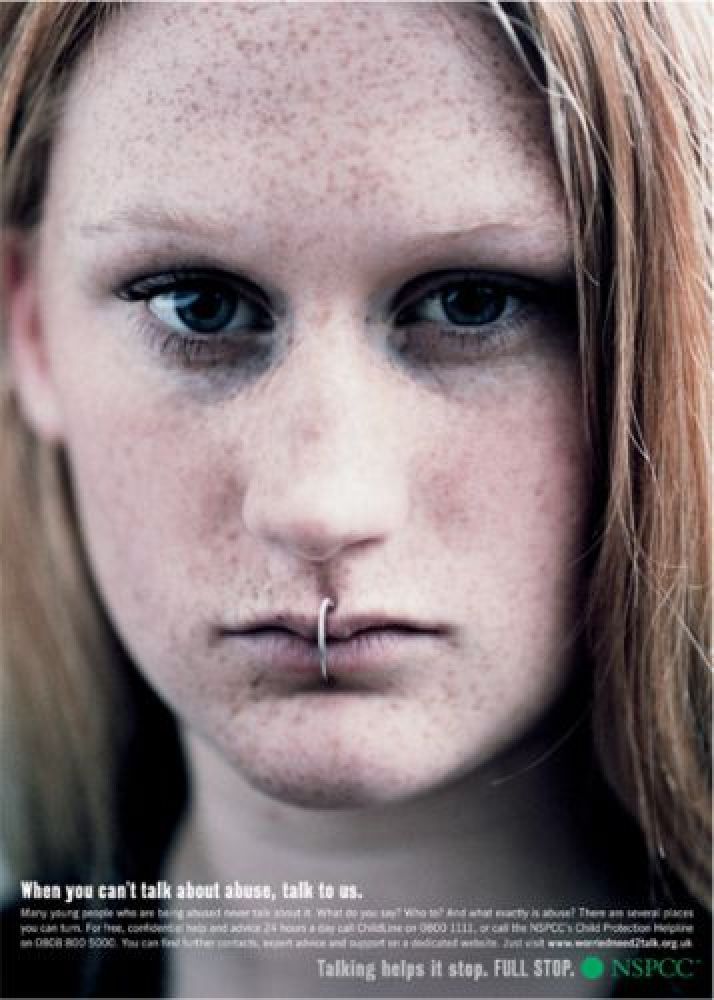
{"points": [[327, 604]]}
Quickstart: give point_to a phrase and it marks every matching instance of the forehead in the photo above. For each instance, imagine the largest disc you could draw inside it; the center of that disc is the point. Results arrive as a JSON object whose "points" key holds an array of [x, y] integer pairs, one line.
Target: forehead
{"points": [[399, 105]]}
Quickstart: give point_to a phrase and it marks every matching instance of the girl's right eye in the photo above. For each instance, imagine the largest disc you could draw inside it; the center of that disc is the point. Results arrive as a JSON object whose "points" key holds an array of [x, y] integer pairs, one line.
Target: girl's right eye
{"points": [[202, 304]]}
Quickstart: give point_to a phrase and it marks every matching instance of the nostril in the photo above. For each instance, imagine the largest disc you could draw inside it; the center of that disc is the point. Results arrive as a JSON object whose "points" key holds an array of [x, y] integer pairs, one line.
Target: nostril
{"points": [[315, 522]]}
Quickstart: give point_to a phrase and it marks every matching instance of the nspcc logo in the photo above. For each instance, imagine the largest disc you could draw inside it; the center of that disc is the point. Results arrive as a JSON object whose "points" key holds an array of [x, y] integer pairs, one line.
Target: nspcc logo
{"points": [[593, 967], [648, 968]]}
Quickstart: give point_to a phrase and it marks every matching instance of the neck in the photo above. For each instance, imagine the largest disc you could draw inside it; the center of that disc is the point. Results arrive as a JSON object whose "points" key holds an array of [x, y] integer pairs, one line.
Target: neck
{"points": [[506, 835]]}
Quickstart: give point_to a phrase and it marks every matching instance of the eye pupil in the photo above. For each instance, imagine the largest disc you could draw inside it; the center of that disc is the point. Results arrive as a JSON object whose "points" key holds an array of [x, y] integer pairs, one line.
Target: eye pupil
{"points": [[205, 310], [470, 304]]}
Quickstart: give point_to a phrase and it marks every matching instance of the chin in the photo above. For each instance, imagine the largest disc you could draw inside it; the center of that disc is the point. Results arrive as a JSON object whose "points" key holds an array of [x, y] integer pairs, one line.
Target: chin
{"points": [[328, 784]]}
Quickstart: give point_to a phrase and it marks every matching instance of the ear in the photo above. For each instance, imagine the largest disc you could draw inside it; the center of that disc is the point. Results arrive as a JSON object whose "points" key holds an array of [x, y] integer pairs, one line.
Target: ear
{"points": [[30, 369]]}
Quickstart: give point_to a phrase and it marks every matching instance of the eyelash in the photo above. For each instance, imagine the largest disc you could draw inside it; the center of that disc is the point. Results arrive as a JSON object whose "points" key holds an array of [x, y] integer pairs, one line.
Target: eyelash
{"points": [[491, 335], [189, 348], [221, 348]]}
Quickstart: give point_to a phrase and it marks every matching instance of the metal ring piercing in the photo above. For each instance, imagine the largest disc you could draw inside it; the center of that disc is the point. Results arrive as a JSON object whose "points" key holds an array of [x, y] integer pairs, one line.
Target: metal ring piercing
{"points": [[326, 605]]}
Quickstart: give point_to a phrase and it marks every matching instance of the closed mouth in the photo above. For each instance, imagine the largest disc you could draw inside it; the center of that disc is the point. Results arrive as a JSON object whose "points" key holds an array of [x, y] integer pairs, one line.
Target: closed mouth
{"points": [[290, 642]]}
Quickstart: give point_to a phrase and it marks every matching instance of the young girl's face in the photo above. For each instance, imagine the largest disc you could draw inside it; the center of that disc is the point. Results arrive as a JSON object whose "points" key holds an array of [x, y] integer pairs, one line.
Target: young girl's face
{"points": [[301, 315]]}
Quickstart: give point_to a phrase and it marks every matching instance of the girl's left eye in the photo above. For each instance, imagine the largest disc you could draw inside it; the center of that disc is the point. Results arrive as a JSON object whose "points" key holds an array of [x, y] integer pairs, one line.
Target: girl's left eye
{"points": [[463, 301], [201, 304]]}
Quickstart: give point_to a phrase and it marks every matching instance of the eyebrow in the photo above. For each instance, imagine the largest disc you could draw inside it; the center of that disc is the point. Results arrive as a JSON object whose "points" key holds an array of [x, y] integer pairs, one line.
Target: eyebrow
{"points": [[143, 217], [174, 220], [176, 223]]}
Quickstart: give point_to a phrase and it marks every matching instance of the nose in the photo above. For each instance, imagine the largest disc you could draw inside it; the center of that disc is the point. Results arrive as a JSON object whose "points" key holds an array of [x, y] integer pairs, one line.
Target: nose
{"points": [[325, 473]]}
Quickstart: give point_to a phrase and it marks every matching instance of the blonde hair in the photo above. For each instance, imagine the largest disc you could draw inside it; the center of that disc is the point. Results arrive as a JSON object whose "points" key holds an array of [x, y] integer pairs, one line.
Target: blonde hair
{"points": [[627, 86]]}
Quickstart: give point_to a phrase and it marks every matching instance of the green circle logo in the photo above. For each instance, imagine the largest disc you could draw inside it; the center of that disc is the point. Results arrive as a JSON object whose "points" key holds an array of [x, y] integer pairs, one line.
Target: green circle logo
{"points": [[592, 967]]}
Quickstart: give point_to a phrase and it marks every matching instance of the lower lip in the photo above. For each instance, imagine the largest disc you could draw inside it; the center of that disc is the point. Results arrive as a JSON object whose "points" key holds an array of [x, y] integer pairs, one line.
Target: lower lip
{"points": [[378, 648]]}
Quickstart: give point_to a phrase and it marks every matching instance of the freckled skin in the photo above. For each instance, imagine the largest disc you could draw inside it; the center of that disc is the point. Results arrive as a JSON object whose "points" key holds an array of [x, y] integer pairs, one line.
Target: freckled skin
{"points": [[321, 148]]}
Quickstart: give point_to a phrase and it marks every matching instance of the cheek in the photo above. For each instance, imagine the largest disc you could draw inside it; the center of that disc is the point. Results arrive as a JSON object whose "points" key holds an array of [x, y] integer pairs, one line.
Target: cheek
{"points": [[507, 504], [517, 485], [144, 469]]}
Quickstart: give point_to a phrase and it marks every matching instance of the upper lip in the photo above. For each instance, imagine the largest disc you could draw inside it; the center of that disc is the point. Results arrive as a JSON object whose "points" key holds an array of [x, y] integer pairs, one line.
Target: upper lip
{"points": [[339, 626]]}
